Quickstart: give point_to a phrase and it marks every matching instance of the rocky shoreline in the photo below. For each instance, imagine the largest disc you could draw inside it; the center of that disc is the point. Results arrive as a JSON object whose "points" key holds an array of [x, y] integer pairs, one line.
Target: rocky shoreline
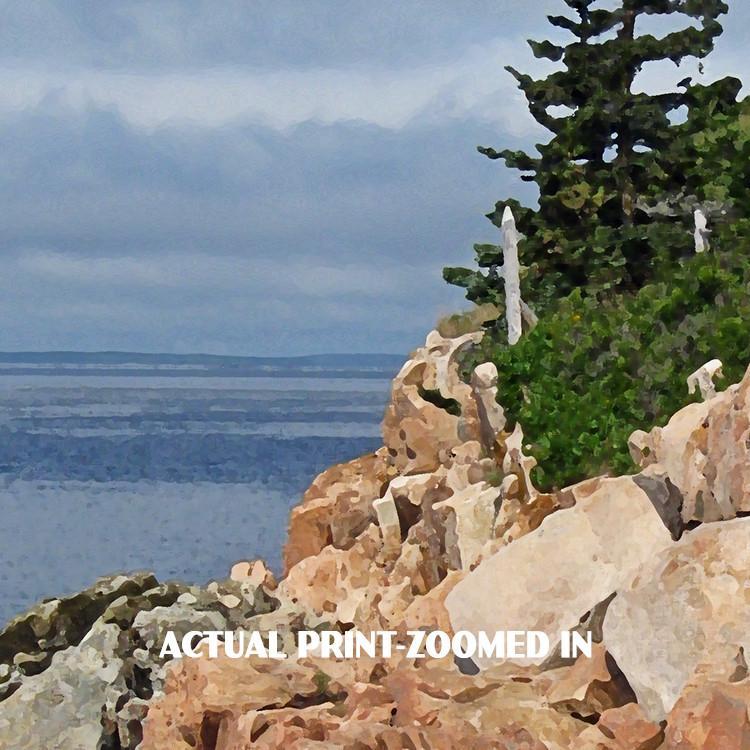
{"points": [[442, 528]]}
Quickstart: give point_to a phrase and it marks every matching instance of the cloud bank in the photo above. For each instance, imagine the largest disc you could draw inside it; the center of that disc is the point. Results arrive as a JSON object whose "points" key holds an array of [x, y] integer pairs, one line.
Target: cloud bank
{"points": [[265, 178]]}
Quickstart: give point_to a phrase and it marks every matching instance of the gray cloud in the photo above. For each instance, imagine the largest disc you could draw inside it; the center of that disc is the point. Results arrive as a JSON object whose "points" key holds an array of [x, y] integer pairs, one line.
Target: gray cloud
{"points": [[254, 177], [265, 34], [319, 237]]}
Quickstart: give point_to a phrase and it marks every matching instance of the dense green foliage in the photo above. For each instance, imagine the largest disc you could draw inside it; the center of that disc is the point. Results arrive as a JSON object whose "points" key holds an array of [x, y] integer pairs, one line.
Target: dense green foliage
{"points": [[627, 309], [614, 154], [595, 370], [711, 157]]}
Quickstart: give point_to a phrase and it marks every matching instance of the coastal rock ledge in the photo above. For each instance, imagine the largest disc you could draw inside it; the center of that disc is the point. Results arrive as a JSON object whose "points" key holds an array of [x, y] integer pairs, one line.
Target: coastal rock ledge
{"points": [[442, 528]]}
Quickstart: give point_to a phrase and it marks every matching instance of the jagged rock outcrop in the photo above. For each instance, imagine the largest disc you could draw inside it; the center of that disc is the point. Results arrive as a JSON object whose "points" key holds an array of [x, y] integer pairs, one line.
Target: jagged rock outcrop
{"points": [[490, 413], [77, 673], [431, 410], [710, 715], [30, 640], [61, 708], [590, 686], [548, 579], [704, 450], [688, 608], [440, 529], [549, 562], [365, 703], [623, 728], [336, 507], [373, 536]]}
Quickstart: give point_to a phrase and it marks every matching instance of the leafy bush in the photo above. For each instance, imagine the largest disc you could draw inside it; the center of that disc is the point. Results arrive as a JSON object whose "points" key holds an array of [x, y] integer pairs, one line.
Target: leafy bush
{"points": [[596, 369]]}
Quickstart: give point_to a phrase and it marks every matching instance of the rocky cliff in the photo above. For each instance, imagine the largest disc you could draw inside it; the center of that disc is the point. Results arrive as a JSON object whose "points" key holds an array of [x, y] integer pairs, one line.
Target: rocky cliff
{"points": [[442, 528]]}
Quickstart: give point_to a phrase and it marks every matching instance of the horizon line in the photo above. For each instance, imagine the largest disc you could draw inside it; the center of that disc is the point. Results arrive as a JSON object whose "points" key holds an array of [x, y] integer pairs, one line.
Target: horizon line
{"points": [[126, 352]]}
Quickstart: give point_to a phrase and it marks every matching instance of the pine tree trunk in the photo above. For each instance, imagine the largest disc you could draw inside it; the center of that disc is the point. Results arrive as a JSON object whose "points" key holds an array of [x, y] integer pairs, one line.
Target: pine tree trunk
{"points": [[625, 145]]}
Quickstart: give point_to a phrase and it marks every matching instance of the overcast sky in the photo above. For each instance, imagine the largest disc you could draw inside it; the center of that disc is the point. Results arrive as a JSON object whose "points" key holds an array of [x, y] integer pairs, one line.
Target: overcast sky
{"points": [[256, 177]]}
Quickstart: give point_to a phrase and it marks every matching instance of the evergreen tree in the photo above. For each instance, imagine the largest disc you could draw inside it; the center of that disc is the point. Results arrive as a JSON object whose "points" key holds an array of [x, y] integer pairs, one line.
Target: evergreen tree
{"points": [[611, 157], [710, 156]]}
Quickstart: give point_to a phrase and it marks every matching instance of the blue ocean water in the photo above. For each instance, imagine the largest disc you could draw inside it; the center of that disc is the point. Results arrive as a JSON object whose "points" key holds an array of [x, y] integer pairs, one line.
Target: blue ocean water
{"points": [[180, 465]]}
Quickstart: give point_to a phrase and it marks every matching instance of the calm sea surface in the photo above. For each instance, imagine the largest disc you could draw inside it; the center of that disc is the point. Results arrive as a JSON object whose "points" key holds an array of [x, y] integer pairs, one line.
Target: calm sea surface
{"points": [[112, 463]]}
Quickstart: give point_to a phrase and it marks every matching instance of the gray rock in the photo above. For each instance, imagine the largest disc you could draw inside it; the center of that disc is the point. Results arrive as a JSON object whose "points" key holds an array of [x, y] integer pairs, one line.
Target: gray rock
{"points": [[62, 708], [79, 672], [550, 578], [687, 612], [56, 624], [152, 626]]}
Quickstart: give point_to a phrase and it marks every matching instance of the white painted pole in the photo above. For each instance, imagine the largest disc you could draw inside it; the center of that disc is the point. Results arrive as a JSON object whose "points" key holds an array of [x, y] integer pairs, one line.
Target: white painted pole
{"points": [[511, 277], [701, 231]]}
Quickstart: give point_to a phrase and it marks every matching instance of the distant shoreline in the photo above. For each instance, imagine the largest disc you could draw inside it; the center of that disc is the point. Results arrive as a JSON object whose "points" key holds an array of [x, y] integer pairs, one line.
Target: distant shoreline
{"points": [[134, 364], [362, 374], [112, 357]]}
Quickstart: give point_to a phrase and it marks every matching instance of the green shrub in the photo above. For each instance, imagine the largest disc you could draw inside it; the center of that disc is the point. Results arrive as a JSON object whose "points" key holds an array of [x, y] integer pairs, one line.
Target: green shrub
{"points": [[596, 369]]}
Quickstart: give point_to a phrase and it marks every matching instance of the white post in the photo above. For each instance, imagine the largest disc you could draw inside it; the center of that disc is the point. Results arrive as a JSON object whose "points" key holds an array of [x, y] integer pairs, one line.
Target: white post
{"points": [[511, 276], [703, 378], [701, 231]]}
